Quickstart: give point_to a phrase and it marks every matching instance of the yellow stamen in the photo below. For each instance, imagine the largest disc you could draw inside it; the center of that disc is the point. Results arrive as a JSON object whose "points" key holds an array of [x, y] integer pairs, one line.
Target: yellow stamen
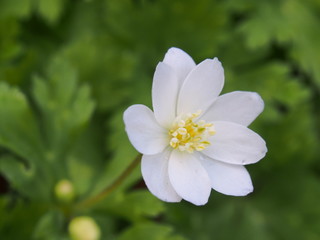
{"points": [[189, 135]]}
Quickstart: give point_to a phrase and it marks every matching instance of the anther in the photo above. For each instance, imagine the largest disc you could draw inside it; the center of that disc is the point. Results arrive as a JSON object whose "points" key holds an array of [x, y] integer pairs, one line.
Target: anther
{"points": [[189, 135]]}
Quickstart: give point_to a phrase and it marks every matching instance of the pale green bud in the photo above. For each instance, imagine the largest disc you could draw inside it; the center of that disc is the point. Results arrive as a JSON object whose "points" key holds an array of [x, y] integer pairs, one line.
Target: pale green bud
{"points": [[84, 228], [64, 190]]}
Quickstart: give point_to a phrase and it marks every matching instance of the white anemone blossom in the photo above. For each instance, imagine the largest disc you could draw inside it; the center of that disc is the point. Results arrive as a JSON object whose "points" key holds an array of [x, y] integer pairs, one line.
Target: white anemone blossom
{"points": [[194, 139]]}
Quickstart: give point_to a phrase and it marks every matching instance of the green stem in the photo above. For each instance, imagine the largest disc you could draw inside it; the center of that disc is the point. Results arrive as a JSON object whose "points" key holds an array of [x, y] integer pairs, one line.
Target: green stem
{"points": [[105, 192]]}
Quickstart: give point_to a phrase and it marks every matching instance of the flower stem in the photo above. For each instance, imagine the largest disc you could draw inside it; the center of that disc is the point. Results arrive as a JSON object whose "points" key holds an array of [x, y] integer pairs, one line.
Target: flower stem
{"points": [[106, 191]]}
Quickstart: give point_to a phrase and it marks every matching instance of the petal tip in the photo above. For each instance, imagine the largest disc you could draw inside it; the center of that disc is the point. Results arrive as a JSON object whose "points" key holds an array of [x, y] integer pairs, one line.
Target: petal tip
{"points": [[264, 150], [200, 203], [257, 98], [127, 112], [175, 53], [215, 63], [174, 50], [171, 200], [160, 68], [243, 192], [248, 191], [144, 132], [216, 59]]}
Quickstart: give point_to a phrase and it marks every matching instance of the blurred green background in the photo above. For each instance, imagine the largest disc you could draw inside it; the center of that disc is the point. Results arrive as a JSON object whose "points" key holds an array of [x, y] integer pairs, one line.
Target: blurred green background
{"points": [[68, 70]]}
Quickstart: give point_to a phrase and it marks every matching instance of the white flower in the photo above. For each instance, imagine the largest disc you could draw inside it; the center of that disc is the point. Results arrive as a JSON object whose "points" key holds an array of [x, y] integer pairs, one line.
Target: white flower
{"points": [[195, 139]]}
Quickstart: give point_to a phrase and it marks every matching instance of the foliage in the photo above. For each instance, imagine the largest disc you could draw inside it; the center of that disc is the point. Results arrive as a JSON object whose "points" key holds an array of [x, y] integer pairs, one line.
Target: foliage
{"points": [[68, 69]]}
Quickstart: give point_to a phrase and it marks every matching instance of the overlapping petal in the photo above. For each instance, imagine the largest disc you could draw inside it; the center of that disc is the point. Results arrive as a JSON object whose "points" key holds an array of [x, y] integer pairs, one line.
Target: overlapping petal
{"points": [[154, 170], [201, 87], [180, 62], [180, 170], [235, 144], [238, 107], [188, 177], [145, 134], [164, 94], [227, 178]]}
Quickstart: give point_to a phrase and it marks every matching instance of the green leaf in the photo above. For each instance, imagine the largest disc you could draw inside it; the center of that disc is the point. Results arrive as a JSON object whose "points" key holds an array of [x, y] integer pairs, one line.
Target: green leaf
{"points": [[291, 23], [66, 107], [19, 131], [136, 205], [123, 154], [49, 226], [51, 10], [273, 77], [19, 8], [265, 22], [150, 231], [9, 46], [108, 71], [295, 130], [19, 177], [81, 173], [18, 219]]}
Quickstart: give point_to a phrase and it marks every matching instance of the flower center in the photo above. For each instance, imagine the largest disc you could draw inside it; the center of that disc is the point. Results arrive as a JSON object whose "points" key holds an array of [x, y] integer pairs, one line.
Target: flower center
{"points": [[187, 134]]}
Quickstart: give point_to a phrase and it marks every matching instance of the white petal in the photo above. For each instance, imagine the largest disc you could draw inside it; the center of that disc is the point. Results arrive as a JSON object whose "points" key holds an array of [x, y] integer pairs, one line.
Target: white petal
{"points": [[238, 107], [180, 61], [145, 134], [164, 94], [235, 144], [202, 87], [189, 178], [227, 178], [154, 170]]}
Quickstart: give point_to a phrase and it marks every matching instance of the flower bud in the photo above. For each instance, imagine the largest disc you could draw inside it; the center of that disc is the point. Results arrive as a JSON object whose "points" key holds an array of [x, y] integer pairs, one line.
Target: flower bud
{"points": [[64, 190], [84, 228]]}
